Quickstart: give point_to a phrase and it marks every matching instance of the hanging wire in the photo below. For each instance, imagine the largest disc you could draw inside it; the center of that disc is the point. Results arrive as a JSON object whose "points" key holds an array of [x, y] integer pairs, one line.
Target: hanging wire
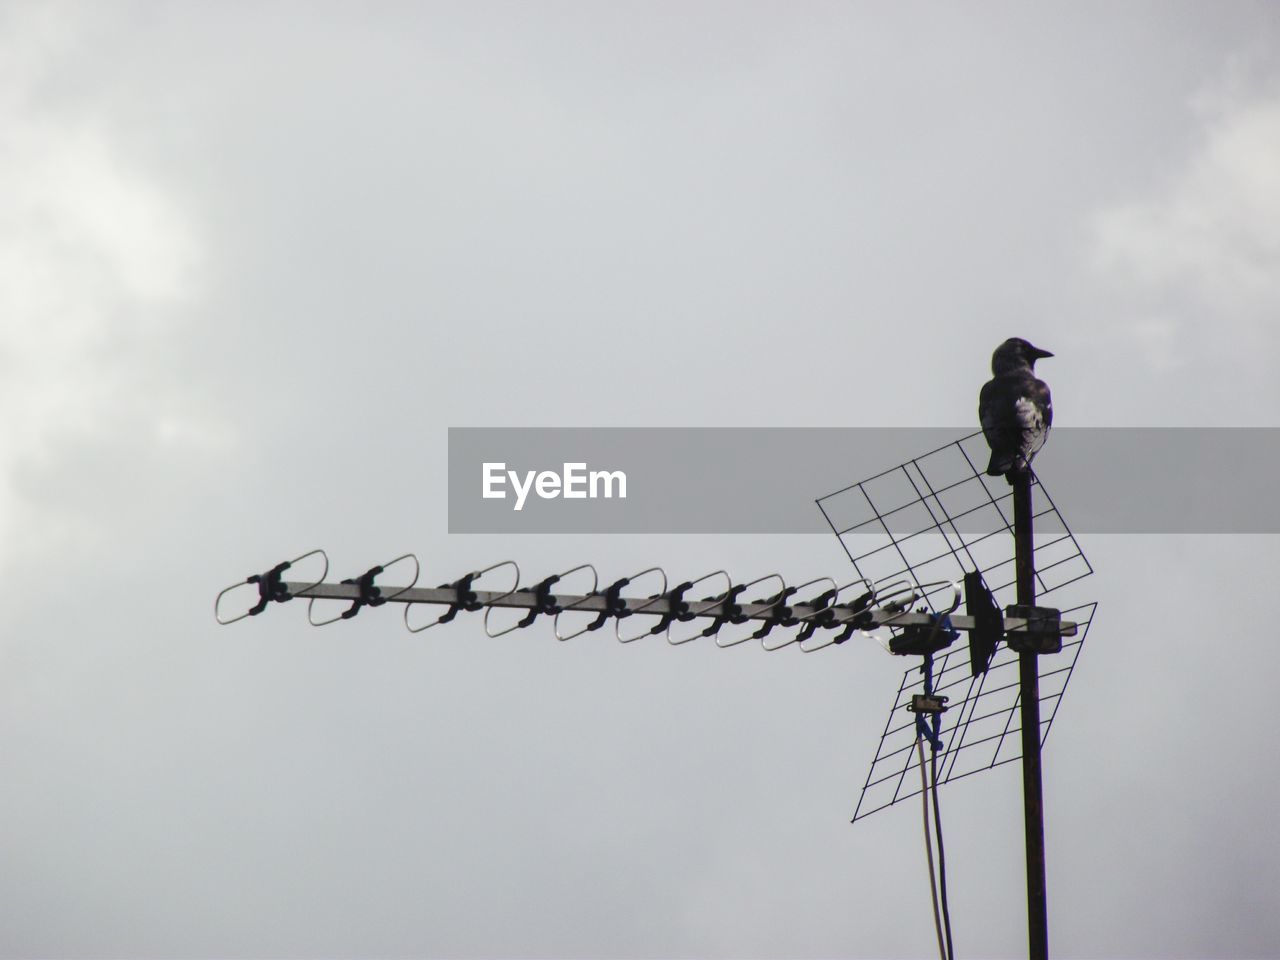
{"points": [[928, 848], [942, 856]]}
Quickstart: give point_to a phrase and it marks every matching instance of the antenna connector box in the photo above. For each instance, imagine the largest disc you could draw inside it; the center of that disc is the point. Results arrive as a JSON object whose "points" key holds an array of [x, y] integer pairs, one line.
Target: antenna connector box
{"points": [[1041, 634], [927, 703]]}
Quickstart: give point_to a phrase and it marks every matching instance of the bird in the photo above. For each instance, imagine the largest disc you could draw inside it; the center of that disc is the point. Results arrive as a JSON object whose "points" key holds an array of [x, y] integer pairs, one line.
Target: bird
{"points": [[1014, 408]]}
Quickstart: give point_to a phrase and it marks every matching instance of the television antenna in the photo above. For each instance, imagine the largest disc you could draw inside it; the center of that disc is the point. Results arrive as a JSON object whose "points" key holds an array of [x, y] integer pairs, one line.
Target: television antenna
{"points": [[923, 537]]}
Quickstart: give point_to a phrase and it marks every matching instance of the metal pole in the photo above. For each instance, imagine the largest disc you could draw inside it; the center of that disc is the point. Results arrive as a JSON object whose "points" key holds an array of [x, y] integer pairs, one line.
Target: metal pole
{"points": [[1029, 694]]}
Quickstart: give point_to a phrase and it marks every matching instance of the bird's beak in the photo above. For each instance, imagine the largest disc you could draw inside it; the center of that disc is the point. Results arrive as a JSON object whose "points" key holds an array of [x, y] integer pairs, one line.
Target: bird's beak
{"points": [[1038, 354]]}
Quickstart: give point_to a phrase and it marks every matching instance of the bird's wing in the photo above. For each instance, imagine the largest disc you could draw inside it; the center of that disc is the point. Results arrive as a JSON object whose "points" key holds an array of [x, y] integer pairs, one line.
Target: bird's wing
{"points": [[1040, 394], [1034, 410], [994, 412]]}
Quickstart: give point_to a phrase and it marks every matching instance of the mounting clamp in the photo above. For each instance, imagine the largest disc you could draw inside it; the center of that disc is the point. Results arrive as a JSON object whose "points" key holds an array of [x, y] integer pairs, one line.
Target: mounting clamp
{"points": [[1042, 632], [923, 640]]}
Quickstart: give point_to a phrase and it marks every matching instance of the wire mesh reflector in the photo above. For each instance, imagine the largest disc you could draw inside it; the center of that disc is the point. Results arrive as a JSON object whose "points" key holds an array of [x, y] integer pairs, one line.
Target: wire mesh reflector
{"points": [[929, 521]]}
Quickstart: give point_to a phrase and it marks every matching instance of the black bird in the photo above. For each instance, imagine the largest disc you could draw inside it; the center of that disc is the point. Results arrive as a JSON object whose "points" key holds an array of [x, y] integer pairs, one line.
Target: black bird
{"points": [[1014, 408]]}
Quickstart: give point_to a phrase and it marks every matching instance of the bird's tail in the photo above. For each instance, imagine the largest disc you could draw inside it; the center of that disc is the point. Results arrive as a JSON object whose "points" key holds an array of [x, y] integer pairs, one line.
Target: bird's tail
{"points": [[1011, 467], [1001, 464]]}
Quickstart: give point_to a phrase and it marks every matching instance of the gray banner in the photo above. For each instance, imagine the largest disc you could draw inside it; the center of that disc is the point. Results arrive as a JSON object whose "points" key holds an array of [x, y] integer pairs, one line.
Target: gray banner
{"points": [[806, 480]]}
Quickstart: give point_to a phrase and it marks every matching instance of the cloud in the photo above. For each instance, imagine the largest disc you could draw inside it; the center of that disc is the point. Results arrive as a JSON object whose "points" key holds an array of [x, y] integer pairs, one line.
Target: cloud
{"points": [[1198, 257], [100, 261], [1216, 226]]}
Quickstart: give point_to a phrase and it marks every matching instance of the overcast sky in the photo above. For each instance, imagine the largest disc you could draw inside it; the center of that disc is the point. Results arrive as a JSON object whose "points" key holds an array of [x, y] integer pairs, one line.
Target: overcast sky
{"points": [[254, 262]]}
